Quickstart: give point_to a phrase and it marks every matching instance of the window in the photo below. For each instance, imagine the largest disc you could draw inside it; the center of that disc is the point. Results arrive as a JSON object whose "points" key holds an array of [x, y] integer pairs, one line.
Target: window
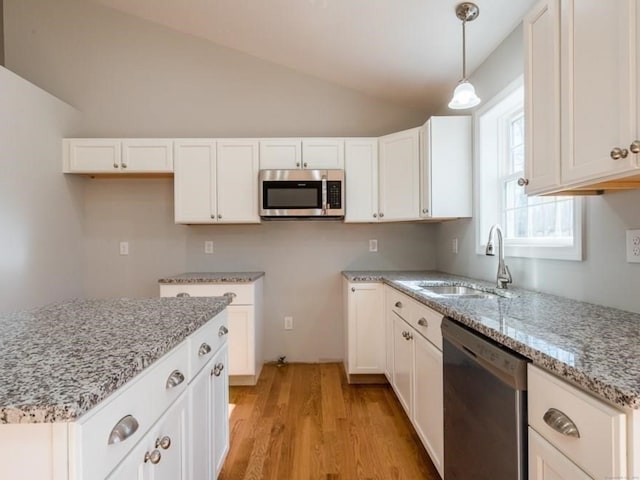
{"points": [[537, 226]]}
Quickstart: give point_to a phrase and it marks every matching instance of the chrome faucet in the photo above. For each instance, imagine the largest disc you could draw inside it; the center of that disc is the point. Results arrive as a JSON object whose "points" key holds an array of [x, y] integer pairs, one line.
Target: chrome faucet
{"points": [[504, 275]]}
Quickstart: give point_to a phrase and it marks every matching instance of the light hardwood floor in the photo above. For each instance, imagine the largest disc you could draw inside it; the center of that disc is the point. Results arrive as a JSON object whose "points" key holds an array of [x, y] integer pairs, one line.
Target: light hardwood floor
{"points": [[303, 421]]}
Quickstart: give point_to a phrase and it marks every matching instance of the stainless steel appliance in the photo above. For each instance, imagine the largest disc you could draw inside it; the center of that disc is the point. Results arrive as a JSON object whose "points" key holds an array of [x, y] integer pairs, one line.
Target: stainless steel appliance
{"points": [[485, 407], [302, 193]]}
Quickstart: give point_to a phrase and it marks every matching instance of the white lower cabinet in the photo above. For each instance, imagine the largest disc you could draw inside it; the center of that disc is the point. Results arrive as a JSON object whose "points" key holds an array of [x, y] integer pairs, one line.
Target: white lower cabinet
{"points": [[162, 453], [403, 370], [220, 408], [364, 328], [547, 463]]}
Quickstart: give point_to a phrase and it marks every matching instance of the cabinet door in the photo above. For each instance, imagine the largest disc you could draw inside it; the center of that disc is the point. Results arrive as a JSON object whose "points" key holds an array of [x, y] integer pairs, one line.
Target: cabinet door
{"points": [[547, 463], [140, 155], [427, 399], [323, 153], [201, 424], [542, 97], [445, 168], [596, 91], [403, 364], [361, 180], [195, 177], [388, 333], [399, 176], [365, 328], [220, 418], [237, 181], [91, 155], [241, 340], [281, 154]]}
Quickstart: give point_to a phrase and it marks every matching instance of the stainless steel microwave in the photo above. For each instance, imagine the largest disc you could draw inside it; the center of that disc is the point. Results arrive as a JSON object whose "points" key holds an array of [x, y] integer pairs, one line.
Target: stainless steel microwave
{"points": [[301, 193]]}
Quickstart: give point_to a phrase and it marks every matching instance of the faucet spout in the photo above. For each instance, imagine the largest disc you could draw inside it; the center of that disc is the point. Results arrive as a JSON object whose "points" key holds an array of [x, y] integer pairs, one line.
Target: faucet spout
{"points": [[503, 277]]}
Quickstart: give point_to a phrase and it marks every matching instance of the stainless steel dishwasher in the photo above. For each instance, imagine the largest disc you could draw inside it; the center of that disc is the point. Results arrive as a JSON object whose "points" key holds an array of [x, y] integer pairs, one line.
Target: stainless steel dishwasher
{"points": [[485, 407]]}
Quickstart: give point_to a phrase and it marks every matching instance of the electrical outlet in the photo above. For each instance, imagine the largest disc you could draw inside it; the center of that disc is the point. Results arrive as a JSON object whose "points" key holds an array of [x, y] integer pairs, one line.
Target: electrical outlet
{"points": [[288, 323], [633, 246], [208, 247], [373, 245], [454, 246], [124, 248]]}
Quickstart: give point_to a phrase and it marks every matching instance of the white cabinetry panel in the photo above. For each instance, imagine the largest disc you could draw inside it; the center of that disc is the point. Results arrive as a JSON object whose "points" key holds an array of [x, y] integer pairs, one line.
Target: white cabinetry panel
{"points": [[361, 180], [280, 154]]}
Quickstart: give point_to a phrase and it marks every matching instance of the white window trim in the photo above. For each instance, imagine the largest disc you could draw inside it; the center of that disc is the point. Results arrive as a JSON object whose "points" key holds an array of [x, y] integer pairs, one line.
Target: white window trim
{"points": [[571, 252]]}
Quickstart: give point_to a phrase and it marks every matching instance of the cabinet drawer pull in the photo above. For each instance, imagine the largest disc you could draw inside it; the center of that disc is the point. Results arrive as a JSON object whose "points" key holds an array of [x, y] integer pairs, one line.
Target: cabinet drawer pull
{"points": [[523, 181], [398, 304], [183, 294], [125, 427], [635, 146], [153, 457], [231, 295], [423, 322], [217, 370], [204, 349], [618, 153], [175, 379], [561, 423], [222, 331], [164, 442]]}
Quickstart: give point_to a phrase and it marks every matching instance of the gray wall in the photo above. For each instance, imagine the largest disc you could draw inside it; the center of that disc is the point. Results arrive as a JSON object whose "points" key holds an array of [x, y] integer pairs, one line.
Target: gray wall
{"points": [[1, 34], [603, 277], [41, 248], [133, 78]]}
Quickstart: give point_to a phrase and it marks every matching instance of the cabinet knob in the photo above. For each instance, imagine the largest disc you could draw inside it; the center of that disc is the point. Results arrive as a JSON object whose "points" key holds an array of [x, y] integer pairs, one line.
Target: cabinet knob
{"points": [[153, 457], [423, 322], [183, 294], [213, 216], [219, 216], [217, 369], [375, 215], [164, 442], [298, 164], [409, 336], [115, 165], [635, 146], [381, 214], [175, 379], [404, 334], [305, 165], [205, 349], [523, 181], [424, 210], [231, 295], [617, 153], [353, 289], [124, 165], [399, 304], [222, 331]]}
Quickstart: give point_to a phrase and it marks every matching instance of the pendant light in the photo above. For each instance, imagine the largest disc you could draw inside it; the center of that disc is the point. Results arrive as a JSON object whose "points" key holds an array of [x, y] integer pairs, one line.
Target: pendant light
{"points": [[464, 96]]}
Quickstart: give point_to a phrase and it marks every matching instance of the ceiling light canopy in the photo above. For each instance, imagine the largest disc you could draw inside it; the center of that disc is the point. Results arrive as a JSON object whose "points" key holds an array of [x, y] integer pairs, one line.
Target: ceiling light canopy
{"points": [[464, 95]]}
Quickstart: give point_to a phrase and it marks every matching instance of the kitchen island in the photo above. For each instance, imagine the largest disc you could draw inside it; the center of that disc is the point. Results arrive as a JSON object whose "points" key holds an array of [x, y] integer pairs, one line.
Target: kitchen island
{"points": [[74, 372]]}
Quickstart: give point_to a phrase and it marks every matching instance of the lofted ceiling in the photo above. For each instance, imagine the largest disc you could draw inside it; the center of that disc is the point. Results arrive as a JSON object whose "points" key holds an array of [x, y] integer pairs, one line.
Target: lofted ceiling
{"points": [[405, 51]]}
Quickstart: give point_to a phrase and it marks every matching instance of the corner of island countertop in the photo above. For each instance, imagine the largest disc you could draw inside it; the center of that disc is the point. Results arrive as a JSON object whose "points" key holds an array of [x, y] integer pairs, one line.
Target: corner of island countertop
{"points": [[211, 277]]}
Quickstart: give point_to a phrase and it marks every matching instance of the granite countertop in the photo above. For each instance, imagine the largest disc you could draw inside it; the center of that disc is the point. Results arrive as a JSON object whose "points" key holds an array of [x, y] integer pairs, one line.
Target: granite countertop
{"points": [[595, 347], [212, 277], [61, 360]]}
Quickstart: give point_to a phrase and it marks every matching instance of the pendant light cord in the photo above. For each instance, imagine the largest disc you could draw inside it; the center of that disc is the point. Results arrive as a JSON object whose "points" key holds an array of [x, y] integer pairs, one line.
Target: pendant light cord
{"points": [[464, 50]]}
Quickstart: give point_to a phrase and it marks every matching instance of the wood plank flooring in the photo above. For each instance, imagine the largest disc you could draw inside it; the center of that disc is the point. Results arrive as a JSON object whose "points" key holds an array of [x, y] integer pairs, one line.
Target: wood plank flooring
{"points": [[303, 421]]}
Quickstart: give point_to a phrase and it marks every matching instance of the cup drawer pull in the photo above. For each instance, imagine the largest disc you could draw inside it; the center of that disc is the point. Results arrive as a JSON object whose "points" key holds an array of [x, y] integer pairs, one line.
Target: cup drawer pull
{"points": [[222, 331], [204, 349], [561, 423], [125, 427], [175, 379]]}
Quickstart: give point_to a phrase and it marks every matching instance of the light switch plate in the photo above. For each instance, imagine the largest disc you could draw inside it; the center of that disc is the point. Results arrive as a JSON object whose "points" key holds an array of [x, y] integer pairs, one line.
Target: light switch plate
{"points": [[633, 246]]}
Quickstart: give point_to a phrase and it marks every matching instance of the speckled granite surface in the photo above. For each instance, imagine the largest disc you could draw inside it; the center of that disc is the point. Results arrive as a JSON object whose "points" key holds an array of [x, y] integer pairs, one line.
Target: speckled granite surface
{"points": [[595, 347], [213, 277], [61, 360]]}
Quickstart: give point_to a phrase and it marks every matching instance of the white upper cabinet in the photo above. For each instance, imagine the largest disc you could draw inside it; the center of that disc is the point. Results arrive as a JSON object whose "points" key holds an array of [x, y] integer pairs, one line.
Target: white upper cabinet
{"points": [[399, 168], [361, 179], [280, 154], [445, 168], [542, 81], [581, 95], [323, 153], [109, 155], [216, 181], [309, 153]]}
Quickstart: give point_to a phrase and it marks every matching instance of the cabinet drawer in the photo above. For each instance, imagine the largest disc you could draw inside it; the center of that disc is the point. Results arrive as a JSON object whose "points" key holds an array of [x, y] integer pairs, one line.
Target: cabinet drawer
{"points": [[244, 293], [427, 323], [600, 449], [401, 304], [144, 400], [206, 341]]}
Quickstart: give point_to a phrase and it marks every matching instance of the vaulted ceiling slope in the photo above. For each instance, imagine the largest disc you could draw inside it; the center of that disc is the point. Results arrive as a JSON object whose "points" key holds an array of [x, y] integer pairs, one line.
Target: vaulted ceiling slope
{"points": [[405, 51]]}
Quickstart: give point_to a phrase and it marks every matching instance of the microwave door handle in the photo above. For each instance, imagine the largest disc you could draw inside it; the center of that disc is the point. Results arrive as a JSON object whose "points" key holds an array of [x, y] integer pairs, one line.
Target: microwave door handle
{"points": [[324, 194]]}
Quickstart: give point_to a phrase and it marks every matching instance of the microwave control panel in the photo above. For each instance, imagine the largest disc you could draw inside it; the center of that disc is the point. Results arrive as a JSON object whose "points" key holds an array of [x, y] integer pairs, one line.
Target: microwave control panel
{"points": [[334, 195]]}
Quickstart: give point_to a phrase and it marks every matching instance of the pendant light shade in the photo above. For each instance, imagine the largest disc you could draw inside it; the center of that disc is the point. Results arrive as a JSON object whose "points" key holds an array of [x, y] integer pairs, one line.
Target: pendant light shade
{"points": [[464, 95]]}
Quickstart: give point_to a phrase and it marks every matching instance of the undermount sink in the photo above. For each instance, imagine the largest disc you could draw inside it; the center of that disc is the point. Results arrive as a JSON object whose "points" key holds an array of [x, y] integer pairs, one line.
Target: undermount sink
{"points": [[456, 291]]}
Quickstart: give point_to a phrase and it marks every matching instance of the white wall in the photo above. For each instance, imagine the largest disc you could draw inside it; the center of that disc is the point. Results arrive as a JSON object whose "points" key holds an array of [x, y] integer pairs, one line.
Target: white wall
{"points": [[41, 248], [603, 277], [133, 78]]}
